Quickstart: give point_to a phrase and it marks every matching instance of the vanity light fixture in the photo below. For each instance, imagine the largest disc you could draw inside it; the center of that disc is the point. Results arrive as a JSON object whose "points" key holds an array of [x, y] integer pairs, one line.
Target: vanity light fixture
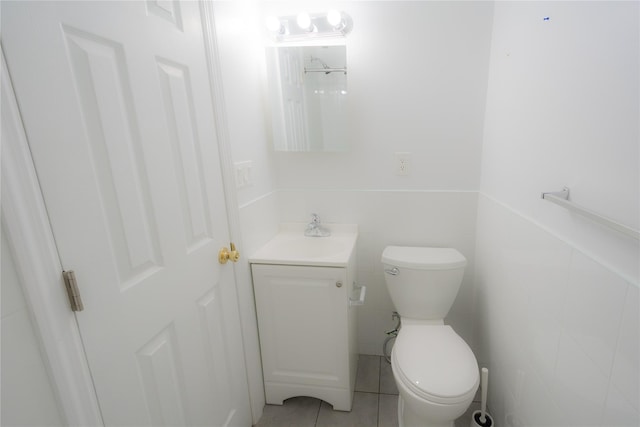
{"points": [[304, 26]]}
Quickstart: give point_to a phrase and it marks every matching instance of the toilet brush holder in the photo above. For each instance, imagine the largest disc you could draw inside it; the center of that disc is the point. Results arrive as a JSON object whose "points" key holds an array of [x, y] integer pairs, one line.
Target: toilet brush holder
{"points": [[477, 420], [481, 418]]}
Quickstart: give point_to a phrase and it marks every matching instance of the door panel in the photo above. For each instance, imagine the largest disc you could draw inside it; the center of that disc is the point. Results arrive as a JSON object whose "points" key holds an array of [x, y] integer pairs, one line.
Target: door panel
{"points": [[163, 380], [181, 122], [116, 103], [102, 86]]}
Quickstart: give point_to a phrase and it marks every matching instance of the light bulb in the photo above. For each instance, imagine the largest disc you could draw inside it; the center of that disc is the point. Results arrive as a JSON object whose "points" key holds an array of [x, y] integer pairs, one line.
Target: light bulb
{"points": [[273, 24], [304, 21], [334, 18]]}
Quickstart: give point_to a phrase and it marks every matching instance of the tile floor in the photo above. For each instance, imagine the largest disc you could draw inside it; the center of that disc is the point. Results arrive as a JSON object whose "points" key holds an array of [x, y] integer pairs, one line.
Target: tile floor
{"points": [[375, 403]]}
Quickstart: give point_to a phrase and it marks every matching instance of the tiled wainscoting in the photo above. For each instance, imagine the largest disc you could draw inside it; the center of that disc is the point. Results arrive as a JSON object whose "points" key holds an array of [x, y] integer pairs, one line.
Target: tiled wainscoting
{"points": [[375, 403], [558, 327]]}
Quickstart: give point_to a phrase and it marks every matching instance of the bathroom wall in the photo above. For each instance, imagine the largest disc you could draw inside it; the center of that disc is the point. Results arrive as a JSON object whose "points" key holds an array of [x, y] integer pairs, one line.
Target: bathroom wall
{"points": [[239, 31], [557, 296], [417, 82], [417, 79]]}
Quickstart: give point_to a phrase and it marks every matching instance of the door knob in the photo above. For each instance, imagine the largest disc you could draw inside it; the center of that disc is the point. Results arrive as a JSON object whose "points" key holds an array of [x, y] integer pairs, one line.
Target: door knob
{"points": [[225, 254]]}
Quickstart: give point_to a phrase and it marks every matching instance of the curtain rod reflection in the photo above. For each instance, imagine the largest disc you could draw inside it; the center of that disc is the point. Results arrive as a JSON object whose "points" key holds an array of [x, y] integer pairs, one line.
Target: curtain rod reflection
{"points": [[325, 70]]}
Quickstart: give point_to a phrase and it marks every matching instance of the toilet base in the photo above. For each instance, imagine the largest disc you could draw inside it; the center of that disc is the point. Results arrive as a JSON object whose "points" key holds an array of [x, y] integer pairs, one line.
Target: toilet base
{"points": [[406, 418], [425, 409]]}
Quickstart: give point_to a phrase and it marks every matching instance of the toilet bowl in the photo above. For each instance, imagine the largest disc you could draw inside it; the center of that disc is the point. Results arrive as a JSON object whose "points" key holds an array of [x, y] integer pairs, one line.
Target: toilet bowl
{"points": [[434, 369], [436, 374]]}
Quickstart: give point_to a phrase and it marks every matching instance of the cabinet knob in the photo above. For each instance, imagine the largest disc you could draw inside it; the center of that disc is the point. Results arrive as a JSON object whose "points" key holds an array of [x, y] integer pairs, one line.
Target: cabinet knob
{"points": [[338, 284]]}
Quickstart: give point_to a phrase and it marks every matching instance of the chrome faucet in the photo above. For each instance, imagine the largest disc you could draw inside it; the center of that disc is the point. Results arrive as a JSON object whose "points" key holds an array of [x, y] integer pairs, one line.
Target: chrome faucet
{"points": [[315, 229]]}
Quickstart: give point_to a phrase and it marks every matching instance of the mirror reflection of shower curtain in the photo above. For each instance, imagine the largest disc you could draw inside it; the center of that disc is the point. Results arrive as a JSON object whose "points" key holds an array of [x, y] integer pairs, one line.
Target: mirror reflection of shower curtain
{"points": [[308, 109], [326, 96], [293, 102]]}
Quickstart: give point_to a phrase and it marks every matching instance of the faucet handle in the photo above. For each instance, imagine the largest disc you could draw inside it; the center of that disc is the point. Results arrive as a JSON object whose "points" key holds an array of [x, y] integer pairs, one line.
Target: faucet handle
{"points": [[315, 218]]}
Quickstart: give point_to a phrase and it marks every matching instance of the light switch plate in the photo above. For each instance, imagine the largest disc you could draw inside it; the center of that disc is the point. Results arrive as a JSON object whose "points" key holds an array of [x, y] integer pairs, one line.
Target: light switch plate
{"points": [[243, 173]]}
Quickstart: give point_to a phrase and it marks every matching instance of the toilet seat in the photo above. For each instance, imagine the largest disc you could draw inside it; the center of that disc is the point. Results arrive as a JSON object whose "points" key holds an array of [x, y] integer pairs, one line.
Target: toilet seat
{"points": [[435, 363]]}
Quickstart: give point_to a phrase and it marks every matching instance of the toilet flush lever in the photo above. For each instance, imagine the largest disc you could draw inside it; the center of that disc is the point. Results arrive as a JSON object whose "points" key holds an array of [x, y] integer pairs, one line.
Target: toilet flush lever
{"points": [[392, 271]]}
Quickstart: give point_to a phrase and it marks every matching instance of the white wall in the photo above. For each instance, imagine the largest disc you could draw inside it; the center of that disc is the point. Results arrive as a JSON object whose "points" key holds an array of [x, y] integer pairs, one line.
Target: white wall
{"points": [[557, 296], [417, 81], [562, 109], [417, 75], [240, 37], [239, 29], [28, 398]]}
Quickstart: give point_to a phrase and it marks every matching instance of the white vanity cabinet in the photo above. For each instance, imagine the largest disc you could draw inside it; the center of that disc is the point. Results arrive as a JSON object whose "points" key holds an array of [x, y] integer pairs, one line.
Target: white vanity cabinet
{"points": [[307, 332], [307, 319]]}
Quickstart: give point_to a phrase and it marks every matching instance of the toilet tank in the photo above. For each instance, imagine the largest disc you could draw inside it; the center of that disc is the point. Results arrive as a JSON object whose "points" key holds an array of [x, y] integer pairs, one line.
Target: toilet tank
{"points": [[423, 282]]}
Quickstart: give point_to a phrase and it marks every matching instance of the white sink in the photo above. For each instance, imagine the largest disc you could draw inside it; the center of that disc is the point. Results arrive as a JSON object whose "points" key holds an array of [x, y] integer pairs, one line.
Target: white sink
{"points": [[290, 246]]}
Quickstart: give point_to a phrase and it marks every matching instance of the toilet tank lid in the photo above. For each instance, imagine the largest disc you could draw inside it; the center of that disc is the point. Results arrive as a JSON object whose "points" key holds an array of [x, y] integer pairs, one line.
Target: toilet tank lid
{"points": [[421, 258]]}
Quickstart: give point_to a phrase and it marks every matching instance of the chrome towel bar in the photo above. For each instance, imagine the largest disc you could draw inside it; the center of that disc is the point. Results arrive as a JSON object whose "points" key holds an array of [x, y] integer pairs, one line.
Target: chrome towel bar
{"points": [[325, 70], [562, 198]]}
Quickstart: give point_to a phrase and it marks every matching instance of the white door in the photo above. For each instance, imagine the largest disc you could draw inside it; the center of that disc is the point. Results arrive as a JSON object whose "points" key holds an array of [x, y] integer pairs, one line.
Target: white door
{"points": [[117, 108]]}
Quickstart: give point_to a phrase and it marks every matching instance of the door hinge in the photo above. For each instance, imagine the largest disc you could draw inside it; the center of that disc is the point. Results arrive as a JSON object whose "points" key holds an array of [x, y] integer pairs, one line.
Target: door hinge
{"points": [[72, 290]]}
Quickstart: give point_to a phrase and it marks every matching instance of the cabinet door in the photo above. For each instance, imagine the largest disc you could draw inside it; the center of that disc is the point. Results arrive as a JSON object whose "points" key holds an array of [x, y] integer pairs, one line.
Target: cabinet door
{"points": [[302, 318]]}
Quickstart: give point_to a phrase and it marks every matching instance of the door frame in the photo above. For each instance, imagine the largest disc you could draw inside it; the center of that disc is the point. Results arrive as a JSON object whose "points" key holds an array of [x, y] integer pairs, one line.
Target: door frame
{"points": [[242, 276], [39, 268], [32, 243]]}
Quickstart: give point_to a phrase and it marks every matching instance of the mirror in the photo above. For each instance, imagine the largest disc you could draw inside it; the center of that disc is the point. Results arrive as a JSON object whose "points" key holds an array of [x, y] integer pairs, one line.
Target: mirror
{"points": [[307, 96]]}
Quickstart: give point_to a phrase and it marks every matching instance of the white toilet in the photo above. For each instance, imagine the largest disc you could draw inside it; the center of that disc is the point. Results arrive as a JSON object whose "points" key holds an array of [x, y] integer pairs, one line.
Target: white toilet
{"points": [[434, 369]]}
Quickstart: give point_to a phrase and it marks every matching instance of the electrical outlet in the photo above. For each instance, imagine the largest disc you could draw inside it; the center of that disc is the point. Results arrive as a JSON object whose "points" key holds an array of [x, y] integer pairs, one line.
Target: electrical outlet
{"points": [[402, 165], [243, 173]]}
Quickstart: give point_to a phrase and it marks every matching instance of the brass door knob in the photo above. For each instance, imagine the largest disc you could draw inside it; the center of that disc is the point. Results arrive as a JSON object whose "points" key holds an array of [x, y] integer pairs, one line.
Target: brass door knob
{"points": [[225, 254]]}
